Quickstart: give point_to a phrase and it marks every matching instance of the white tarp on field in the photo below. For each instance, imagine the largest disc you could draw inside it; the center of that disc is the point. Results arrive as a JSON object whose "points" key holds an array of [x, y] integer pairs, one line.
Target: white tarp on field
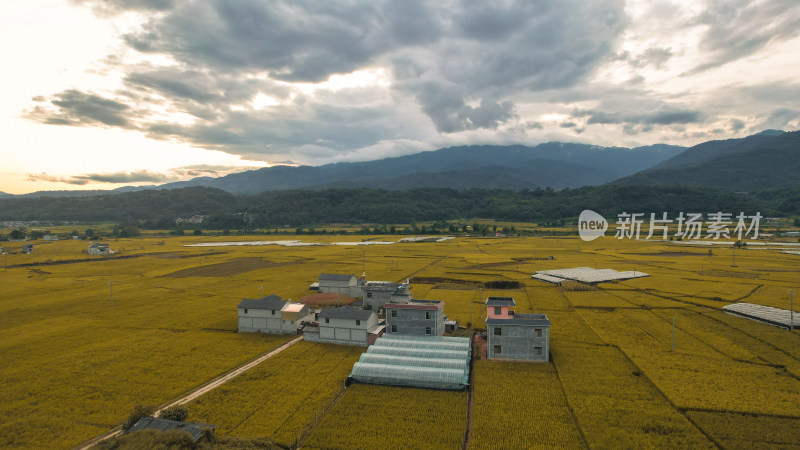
{"points": [[767, 314], [586, 275]]}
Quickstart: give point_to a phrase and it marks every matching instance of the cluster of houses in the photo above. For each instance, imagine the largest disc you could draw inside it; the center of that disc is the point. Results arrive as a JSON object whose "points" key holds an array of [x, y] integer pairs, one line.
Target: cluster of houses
{"points": [[388, 308]]}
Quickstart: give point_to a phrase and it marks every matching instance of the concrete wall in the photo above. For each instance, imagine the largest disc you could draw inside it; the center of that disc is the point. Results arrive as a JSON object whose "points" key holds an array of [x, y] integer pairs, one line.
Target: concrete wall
{"points": [[414, 322], [376, 299], [262, 320], [349, 288], [345, 331], [518, 342]]}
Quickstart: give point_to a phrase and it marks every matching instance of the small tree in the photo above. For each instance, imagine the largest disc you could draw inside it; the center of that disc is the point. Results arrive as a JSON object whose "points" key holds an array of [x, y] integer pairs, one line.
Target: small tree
{"points": [[177, 412], [18, 233], [138, 412]]}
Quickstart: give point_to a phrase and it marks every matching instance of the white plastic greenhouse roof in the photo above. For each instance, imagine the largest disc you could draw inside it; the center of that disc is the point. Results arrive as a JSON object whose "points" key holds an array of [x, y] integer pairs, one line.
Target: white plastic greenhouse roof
{"points": [[586, 275], [436, 362], [767, 314]]}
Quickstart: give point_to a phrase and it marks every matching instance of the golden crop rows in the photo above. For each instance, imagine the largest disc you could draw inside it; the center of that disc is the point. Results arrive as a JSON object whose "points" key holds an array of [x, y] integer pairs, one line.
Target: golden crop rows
{"points": [[520, 405], [369, 417], [82, 343], [617, 407], [278, 397]]}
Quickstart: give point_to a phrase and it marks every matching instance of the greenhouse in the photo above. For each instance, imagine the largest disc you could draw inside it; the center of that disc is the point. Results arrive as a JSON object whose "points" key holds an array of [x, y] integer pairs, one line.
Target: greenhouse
{"points": [[435, 362]]}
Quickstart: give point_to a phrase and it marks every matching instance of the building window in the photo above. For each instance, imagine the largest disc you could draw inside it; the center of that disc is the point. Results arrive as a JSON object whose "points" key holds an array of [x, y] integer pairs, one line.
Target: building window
{"points": [[427, 314], [498, 331], [428, 330], [537, 351], [327, 320], [498, 310], [498, 350], [538, 332], [358, 322], [369, 294], [394, 328], [273, 312], [394, 313], [245, 310]]}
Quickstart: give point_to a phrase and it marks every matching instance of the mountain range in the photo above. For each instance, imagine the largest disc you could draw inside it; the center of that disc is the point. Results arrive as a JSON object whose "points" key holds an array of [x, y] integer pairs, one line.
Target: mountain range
{"points": [[770, 159]]}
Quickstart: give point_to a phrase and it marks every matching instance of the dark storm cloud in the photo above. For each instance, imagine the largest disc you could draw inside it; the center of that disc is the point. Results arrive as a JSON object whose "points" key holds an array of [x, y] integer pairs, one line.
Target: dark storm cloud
{"points": [[738, 28], [663, 115], [294, 41], [498, 49], [73, 107]]}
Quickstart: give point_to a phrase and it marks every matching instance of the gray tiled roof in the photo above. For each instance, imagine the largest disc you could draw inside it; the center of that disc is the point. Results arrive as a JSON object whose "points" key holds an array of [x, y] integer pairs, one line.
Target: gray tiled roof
{"points": [[336, 277], [500, 301], [345, 312], [150, 423], [268, 302], [522, 319]]}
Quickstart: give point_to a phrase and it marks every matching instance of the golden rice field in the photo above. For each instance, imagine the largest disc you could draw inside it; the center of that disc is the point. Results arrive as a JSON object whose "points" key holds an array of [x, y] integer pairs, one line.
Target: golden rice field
{"points": [[280, 396], [83, 342], [519, 405], [368, 417]]}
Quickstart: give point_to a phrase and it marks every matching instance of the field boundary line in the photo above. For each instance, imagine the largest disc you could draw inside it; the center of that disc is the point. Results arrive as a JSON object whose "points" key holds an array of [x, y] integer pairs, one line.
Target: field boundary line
{"points": [[204, 388]]}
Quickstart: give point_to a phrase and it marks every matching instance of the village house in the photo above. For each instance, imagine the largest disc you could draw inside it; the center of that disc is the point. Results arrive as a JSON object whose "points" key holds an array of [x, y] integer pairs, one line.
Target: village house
{"points": [[417, 317], [515, 336], [345, 325], [272, 315], [339, 283], [26, 249], [378, 293], [99, 249]]}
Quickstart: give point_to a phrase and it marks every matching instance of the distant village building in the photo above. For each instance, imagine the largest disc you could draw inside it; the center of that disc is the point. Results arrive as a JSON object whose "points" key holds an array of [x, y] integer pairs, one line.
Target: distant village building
{"points": [[272, 315], [27, 249], [417, 317], [378, 293], [339, 283], [345, 325], [99, 249], [50, 237], [515, 336]]}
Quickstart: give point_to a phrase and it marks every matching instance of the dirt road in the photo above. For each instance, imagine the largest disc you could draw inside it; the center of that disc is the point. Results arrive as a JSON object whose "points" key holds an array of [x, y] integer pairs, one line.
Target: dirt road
{"points": [[216, 382]]}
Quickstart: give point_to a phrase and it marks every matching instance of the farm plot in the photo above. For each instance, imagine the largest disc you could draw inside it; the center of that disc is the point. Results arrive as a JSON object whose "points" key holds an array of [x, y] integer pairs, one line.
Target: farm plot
{"points": [[369, 416], [615, 406], [280, 396], [747, 431], [520, 405], [704, 372]]}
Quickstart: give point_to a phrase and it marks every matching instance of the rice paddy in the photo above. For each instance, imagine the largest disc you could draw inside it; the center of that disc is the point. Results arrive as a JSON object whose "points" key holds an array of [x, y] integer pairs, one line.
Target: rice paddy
{"points": [[83, 339]]}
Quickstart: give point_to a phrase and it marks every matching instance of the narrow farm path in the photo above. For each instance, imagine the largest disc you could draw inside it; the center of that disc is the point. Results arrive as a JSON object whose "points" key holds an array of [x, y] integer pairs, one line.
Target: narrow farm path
{"points": [[214, 383]]}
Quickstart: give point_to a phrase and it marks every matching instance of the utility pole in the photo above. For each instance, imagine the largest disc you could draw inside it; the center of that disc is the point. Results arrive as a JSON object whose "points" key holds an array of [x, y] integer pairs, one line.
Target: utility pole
{"points": [[260, 292], [111, 289], [791, 310], [734, 257]]}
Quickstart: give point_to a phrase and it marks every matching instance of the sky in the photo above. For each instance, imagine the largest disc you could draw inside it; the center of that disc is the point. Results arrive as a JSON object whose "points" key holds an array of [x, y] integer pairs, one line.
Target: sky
{"points": [[102, 94]]}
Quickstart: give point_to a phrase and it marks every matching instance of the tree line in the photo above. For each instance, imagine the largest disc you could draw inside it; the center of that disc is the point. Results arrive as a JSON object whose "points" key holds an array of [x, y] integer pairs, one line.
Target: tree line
{"points": [[159, 209]]}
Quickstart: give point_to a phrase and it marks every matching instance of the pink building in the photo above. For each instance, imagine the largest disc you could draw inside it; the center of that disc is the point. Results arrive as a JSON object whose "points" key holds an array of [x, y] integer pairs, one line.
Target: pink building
{"points": [[498, 308]]}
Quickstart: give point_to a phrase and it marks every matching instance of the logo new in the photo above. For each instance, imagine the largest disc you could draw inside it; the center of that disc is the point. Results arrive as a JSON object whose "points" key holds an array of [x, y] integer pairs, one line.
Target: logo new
{"points": [[591, 225]]}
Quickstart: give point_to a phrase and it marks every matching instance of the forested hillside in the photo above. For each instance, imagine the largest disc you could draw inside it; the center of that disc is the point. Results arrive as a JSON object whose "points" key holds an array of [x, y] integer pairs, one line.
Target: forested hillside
{"points": [[159, 209]]}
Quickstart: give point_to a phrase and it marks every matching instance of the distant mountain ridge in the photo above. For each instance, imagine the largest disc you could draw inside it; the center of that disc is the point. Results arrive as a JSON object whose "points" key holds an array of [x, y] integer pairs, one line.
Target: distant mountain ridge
{"points": [[554, 164], [769, 159]]}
